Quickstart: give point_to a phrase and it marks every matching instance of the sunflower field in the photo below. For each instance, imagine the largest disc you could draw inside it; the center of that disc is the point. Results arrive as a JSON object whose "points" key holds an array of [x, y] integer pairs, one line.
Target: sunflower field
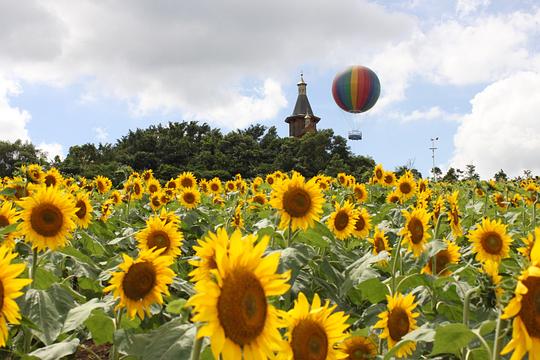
{"points": [[278, 267]]}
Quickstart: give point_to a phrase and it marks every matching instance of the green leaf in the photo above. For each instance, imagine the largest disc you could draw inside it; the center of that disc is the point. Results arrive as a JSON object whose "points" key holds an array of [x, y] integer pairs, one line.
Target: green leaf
{"points": [[176, 306], [56, 351], [48, 309], [423, 333], [44, 279], [8, 229], [451, 338], [101, 327], [78, 315], [373, 290], [171, 341]]}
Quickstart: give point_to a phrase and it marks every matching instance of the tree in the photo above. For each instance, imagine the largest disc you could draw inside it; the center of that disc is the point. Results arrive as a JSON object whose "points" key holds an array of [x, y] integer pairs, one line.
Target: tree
{"points": [[437, 173], [15, 154], [501, 176], [451, 175], [470, 173]]}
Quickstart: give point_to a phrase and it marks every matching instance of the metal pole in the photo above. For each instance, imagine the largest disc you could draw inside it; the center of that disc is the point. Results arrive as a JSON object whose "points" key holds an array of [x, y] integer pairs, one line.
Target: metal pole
{"points": [[433, 148]]}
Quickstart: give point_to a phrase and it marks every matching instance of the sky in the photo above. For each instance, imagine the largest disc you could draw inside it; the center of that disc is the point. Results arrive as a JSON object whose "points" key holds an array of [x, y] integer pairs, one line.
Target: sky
{"points": [[464, 71]]}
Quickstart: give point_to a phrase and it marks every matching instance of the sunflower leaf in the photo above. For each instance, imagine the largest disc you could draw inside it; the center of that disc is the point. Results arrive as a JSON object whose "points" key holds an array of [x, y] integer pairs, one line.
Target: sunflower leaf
{"points": [[451, 338]]}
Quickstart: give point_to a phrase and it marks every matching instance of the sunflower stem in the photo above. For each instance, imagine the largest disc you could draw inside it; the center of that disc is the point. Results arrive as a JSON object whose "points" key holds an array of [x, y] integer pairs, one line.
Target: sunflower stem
{"points": [[396, 255], [34, 265], [197, 346], [466, 305], [289, 233], [114, 355], [497, 332]]}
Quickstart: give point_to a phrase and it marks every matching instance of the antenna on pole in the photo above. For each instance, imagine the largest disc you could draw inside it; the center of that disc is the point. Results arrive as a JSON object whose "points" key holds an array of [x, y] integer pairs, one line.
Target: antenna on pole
{"points": [[433, 148]]}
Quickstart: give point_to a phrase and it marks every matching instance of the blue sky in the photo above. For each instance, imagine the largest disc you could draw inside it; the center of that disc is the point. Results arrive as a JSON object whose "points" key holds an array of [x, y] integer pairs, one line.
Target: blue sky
{"points": [[466, 71]]}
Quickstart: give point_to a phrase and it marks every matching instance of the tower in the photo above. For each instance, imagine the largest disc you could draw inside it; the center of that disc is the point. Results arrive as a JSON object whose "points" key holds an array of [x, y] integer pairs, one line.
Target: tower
{"points": [[302, 119]]}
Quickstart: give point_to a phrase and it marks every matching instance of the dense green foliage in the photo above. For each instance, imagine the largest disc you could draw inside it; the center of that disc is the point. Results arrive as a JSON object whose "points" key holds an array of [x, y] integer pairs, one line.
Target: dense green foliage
{"points": [[190, 146]]}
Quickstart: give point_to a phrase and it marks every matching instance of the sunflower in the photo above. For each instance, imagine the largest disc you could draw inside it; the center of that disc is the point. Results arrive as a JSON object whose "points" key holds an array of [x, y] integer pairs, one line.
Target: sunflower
{"points": [[233, 304], [525, 311], [415, 231], [157, 234], [490, 241], [341, 221], [362, 225], [342, 178], [359, 348], [498, 198], [155, 201], [453, 214], [270, 179], [187, 180], [438, 209], [360, 193], [10, 289], [378, 174], [169, 217], [171, 184], [53, 177], [479, 191], [138, 189], [148, 175], [106, 210], [393, 198], [527, 241], [116, 197], [299, 203], [258, 198], [230, 186], [84, 210], [398, 321], [103, 184], [203, 185], [153, 186], [47, 218], [237, 220], [389, 178], [34, 173], [380, 242], [406, 187], [314, 331], [190, 197], [142, 282], [205, 253], [442, 259], [215, 186], [8, 216]]}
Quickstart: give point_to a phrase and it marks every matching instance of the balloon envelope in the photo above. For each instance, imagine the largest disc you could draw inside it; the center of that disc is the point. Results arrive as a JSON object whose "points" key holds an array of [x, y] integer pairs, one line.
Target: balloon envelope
{"points": [[356, 89]]}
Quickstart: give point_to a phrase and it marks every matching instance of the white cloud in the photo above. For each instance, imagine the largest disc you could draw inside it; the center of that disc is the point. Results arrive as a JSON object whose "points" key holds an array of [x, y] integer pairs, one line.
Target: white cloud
{"points": [[51, 150], [101, 134], [12, 119], [433, 113], [481, 51], [465, 7], [501, 132], [204, 58]]}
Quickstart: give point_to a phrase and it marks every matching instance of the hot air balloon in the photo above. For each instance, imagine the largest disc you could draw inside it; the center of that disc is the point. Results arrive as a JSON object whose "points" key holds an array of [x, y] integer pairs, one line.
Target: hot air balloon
{"points": [[356, 90]]}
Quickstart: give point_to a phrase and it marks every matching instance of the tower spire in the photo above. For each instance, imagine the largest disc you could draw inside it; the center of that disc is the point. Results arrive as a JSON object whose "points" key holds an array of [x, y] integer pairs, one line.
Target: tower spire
{"points": [[302, 119]]}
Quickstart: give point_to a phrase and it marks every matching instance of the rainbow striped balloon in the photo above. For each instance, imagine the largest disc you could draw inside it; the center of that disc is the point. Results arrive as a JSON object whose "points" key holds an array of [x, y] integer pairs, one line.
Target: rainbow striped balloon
{"points": [[356, 89]]}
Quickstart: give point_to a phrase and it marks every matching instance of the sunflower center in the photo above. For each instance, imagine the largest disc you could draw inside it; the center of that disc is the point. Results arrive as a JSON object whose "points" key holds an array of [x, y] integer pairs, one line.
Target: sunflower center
{"points": [[360, 350], [341, 221], [270, 181], [359, 193], [442, 259], [101, 186], [3, 221], [398, 324], [186, 182], [360, 223], [309, 341], [388, 179], [152, 188], [242, 307], [214, 187], [47, 220], [155, 201], [492, 243], [379, 244], [82, 209], [259, 200], [378, 174], [50, 180], [189, 198], [137, 189], [405, 187], [159, 239], [296, 202], [139, 280], [416, 228], [530, 306]]}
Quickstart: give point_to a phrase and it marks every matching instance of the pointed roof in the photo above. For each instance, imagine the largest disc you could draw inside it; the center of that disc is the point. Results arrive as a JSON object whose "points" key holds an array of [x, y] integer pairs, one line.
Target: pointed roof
{"points": [[302, 106]]}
